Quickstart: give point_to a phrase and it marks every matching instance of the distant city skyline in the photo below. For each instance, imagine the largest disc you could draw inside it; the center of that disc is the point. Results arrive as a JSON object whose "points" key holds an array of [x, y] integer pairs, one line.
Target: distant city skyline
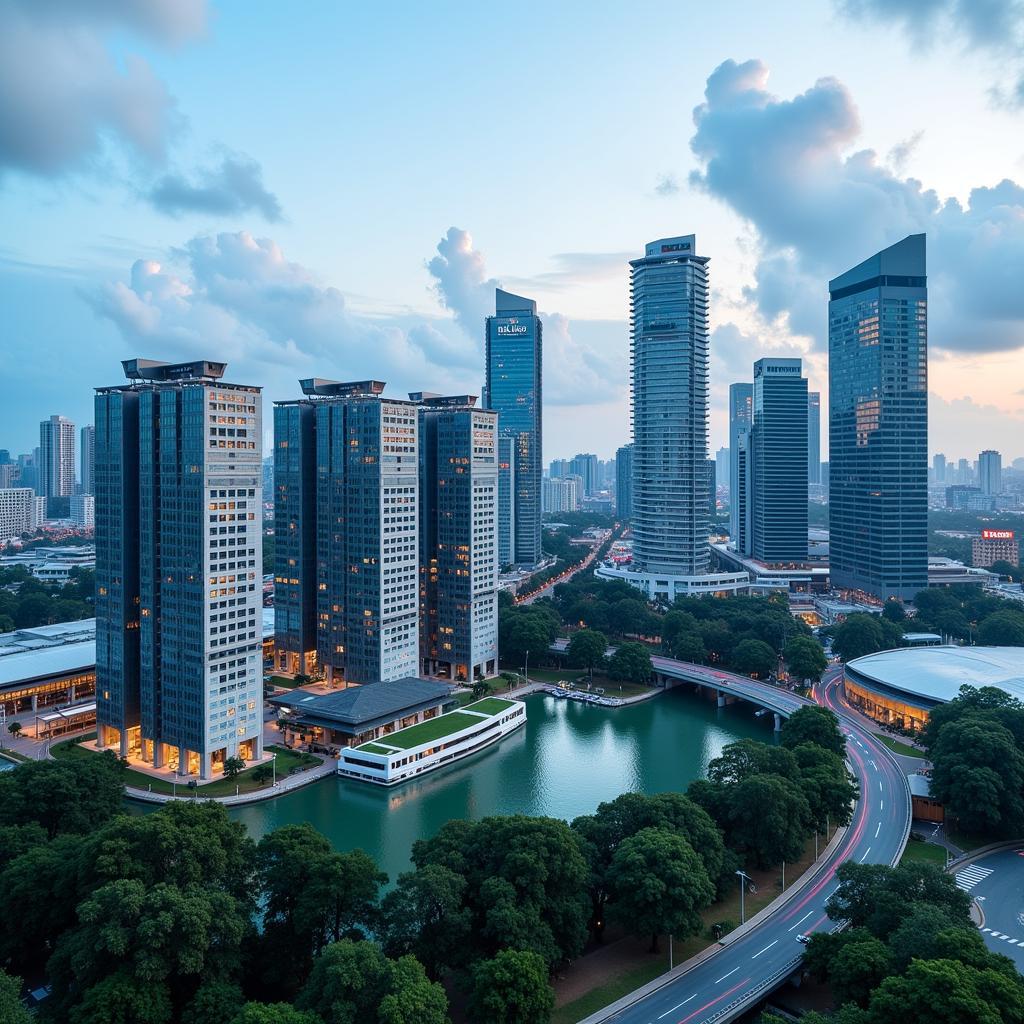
{"points": [[242, 224]]}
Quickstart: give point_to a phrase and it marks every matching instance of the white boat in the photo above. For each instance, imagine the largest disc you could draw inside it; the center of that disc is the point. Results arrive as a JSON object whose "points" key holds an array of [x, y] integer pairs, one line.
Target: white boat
{"points": [[433, 743]]}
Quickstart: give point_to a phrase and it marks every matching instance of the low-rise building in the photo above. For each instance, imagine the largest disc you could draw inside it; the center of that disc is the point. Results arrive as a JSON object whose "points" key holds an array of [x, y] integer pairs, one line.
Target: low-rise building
{"points": [[995, 546]]}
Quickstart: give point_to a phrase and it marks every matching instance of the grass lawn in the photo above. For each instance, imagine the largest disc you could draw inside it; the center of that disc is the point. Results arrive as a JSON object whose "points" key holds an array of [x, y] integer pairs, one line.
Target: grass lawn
{"points": [[285, 682], [432, 729], [495, 685], [967, 840], [376, 748], [898, 747], [578, 677], [13, 755], [286, 760], [490, 705], [599, 997], [924, 853]]}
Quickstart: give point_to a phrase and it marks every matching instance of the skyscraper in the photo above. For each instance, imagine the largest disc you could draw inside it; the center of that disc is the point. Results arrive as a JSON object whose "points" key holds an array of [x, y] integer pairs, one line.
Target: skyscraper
{"points": [[585, 467], [939, 468], [779, 468], [624, 482], [562, 494], [87, 458], [179, 645], [57, 457], [514, 390], [506, 498], [356, 477], [878, 423], [669, 354], [558, 468], [741, 403], [458, 537], [814, 437], [990, 472]]}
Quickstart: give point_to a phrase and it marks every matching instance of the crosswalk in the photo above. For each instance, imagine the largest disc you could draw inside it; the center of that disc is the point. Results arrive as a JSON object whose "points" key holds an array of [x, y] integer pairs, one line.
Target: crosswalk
{"points": [[970, 876]]}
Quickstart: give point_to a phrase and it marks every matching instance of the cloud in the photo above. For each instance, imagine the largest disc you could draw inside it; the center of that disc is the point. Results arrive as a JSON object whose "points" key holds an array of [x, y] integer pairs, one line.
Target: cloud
{"points": [[667, 185], [236, 186], [994, 28], [574, 373], [574, 269], [819, 206], [962, 426], [62, 94]]}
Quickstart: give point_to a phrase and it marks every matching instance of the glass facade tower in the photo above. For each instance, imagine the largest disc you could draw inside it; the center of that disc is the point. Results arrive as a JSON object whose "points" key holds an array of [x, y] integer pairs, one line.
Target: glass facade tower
{"points": [[514, 391], [878, 424], [779, 469], [624, 482], [741, 403], [669, 357], [814, 437]]}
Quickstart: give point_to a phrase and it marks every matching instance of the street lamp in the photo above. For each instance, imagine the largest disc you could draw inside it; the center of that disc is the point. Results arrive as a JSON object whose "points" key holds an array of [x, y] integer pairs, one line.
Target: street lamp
{"points": [[743, 877]]}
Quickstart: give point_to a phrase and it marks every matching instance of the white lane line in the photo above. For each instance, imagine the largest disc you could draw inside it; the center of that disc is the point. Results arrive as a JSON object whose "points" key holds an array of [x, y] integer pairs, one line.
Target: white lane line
{"points": [[801, 921], [760, 951], [877, 830], [879, 785], [724, 976], [676, 1007], [866, 852], [881, 805], [986, 929]]}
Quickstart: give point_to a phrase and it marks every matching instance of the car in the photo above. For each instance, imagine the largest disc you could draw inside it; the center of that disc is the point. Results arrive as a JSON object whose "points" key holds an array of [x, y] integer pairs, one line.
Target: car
{"points": [[803, 939]]}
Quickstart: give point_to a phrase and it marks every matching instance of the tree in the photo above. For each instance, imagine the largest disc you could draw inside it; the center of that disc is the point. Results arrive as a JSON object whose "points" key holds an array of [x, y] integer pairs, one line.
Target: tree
{"points": [[894, 611], [272, 1013], [629, 616], [658, 884], [480, 689], [1004, 568], [858, 635], [689, 647], [11, 1009], [355, 981], [526, 632], [813, 724], [262, 773], [631, 663], [805, 658], [754, 658], [233, 767], [14, 728], [1004, 629], [216, 1000], [512, 988], [586, 649], [827, 784], [858, 968]]}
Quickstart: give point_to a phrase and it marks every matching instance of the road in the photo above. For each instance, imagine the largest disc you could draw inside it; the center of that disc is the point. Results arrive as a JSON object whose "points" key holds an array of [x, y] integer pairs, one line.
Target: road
{"points": [[739, 973], [995, 882], [533, 595]]}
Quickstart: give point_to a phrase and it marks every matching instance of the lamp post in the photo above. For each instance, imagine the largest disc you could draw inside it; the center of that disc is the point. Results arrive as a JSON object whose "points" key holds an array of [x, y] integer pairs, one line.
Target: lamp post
{"points": [[743, 877]]}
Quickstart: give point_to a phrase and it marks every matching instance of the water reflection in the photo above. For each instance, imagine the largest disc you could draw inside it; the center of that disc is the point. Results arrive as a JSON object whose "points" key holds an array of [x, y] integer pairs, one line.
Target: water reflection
{"points": [[563, 762]]}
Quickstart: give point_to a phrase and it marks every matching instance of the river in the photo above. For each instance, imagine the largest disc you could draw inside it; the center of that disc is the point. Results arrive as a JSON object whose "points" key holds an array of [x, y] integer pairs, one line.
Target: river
{"points": [[563, 763]]}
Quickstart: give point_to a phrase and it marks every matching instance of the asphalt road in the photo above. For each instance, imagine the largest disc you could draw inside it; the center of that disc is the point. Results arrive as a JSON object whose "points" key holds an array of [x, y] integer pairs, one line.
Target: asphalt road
{"points": [[996, 881], [757, 960]]}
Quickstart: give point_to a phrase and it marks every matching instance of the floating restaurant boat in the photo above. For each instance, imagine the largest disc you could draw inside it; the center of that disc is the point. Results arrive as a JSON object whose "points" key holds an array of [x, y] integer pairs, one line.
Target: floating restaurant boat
{"points": [[431, 744]]}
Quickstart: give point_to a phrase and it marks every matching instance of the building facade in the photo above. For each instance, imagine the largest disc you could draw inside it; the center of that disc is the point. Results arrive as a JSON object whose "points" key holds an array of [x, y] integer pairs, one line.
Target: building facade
{"points": [[458, 537], [514, 389], [506, 499], [990, 472], [779, 471], [585, 467], [624, 482], [179, 646], [814, 437], [878, 424], [87, 458], [741, 405], [83, 510], [995, 546], [363, 497], [57, 457], [562, 494], [19, 512]]}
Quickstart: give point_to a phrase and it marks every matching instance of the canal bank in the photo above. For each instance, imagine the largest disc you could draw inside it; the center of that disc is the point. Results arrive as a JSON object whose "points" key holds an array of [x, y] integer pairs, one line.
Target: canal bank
{"points": [[566, 760]]}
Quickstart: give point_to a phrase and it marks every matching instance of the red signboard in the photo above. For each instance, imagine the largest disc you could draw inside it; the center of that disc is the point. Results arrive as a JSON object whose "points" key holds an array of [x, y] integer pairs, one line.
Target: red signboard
{"points": [[997, 534]]}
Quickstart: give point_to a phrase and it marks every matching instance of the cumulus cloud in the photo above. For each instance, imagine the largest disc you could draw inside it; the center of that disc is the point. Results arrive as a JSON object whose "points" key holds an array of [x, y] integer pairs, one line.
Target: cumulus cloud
{"points": [[667, 185], [819, 206], [574, 373], [236, 186], [994, 28], [574, 269], [62, 92]]}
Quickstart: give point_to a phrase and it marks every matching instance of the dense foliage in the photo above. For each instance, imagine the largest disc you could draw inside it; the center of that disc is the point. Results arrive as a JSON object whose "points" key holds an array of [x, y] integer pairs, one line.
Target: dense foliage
{"points": [[26, 602]]}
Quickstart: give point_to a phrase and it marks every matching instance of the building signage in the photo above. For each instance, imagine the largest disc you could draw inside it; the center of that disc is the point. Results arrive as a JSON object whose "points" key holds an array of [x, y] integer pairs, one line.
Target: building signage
{"points": [[512, 327], [997, 534], [676, 247]]}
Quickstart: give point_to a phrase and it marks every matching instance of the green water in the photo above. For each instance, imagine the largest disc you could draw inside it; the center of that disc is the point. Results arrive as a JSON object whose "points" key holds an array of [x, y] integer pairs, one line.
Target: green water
{"points": [[563, 762]]}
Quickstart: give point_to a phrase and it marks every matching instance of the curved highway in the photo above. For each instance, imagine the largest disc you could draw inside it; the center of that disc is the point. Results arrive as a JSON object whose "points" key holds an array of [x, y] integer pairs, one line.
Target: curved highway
{"points": [[741, 972]]}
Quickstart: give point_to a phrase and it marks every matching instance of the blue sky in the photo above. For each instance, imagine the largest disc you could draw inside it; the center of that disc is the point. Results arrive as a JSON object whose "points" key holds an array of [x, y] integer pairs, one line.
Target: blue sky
{"points": [[335, 189]]}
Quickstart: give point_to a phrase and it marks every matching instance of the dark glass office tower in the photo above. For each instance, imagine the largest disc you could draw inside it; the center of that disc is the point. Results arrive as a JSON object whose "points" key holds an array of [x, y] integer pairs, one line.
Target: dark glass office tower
{"points": [[514, 391], [356, 476], [624, 482], [779, 468], [878, 424], [458, 537], [741, 401], [669, 355], [178, 564], [814, 437]]}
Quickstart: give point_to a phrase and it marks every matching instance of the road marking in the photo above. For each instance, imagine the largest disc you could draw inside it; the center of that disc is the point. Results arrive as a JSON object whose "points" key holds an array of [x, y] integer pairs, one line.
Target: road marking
{"points": [[881, 805], [724, 976], [986, 929], [801, 921], [676, 1007], [879, 785], [877, 830], [971, 875], [866, 852], [766, 948]]}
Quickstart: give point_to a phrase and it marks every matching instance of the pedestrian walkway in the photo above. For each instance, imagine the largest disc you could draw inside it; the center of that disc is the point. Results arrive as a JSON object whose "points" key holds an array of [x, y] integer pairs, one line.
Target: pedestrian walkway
{"points": [[970, 876]]}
